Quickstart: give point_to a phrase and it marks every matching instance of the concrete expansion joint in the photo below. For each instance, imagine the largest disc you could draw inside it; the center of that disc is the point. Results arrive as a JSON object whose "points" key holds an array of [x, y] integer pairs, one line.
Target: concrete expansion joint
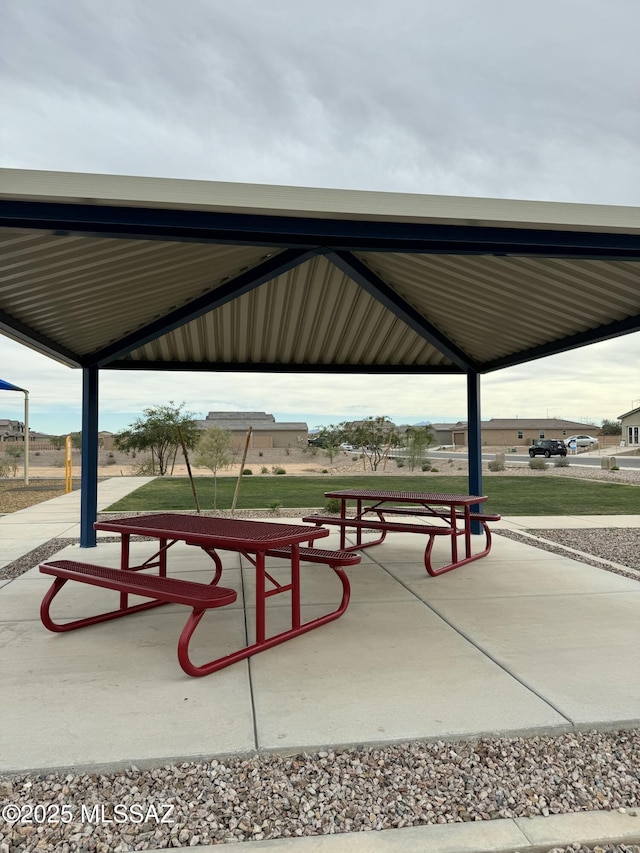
{"points": [[527, 534]]}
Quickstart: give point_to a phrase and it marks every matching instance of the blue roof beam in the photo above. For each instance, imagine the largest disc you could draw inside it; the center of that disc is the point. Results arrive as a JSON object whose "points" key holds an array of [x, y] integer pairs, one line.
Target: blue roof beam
{"points": [[307, 231], [26, 335], [289, 367], [592, 336], [380, 290]]}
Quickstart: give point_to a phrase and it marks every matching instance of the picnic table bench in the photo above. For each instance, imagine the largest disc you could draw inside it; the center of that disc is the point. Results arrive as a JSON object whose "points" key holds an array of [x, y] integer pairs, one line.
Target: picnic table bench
{"points": [[161, 589], [445, 510]]}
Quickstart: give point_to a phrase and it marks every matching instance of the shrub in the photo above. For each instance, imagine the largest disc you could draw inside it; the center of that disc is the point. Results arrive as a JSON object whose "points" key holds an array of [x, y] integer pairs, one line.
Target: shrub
{"points": [[537, 464], [264, 470], [435, 470], [274, 505], [496, 465], [260, 453], [278, 470], [324, 471], [355, 458], [562, 462], [426, 466], [6, 468], [247, 472], [614, 468], [399, 462], [332, 504], [144, 468]]}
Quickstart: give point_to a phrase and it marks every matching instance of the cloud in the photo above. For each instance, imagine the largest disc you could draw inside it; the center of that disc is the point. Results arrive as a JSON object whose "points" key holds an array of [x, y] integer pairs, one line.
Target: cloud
{"points": [[498, 99], [492, 99]]}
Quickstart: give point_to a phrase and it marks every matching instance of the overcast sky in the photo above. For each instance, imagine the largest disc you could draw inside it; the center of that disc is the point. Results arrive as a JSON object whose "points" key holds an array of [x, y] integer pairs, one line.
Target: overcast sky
{"points": [[499, 99]]}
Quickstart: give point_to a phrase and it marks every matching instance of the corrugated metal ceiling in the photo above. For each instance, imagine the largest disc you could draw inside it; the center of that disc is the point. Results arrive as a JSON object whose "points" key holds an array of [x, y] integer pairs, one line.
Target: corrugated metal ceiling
{"points": [[87, 261], [311, 315], [87, 292], [494, 306]]}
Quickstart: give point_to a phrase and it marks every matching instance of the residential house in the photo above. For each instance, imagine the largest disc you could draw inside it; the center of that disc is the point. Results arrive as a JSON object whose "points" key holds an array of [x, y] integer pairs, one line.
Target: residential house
{"points": [[11, 430], [266, 432], [630, 423], [511, 432]]}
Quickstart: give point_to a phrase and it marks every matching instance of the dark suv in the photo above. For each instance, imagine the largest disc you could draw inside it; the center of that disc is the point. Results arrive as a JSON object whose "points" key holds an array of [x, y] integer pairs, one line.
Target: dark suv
{"points": [[548, 447]]}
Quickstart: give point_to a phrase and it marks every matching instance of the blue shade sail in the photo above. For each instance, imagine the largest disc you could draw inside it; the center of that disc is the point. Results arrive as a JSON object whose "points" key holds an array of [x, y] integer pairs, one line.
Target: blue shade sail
{"points": [[7, 386]]}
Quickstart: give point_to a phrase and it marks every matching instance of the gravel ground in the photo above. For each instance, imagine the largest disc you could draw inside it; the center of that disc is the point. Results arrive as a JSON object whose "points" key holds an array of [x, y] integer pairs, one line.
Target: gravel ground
{"points": [[598, 542], [350, 790]]}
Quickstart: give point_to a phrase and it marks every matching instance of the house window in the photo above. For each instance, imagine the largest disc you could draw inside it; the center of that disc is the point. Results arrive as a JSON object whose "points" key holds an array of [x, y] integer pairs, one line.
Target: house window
{"points": [[520, 435], [630, 439], [635, 435], [541, 433]]}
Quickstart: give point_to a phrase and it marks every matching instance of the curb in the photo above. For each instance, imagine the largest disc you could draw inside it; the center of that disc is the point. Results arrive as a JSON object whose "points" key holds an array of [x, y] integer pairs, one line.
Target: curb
{"points": [[505, 835]]}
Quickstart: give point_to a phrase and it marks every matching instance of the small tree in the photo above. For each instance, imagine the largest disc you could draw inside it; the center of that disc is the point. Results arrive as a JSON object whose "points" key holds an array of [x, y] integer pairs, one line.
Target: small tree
{"points": [[328, 438], [611, 427], [214, 452], [14, 453], [373, 436], [157, 432], [418, 439]]}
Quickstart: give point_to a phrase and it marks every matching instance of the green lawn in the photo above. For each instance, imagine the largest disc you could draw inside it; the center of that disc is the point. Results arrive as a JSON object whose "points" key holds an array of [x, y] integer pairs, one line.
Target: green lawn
{"points": [[540, 495]]}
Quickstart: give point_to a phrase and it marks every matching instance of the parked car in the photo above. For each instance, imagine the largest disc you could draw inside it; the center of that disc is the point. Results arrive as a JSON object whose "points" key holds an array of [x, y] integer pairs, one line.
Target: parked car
{"points": [[318, 442], [582, 440], [548, 447]]}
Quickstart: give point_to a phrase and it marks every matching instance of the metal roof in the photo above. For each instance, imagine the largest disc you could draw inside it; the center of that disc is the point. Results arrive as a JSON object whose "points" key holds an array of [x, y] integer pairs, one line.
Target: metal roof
{"points": [[535, 423], [113, 271], [631, 412]]}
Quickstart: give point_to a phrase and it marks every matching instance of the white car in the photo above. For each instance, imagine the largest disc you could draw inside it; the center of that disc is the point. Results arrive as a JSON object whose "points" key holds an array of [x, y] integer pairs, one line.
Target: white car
{"points": [[581, 440]]}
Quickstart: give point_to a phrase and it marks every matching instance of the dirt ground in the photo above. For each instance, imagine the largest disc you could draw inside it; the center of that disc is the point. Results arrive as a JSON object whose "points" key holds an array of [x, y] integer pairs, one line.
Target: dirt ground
{"points": [[50, 463]]}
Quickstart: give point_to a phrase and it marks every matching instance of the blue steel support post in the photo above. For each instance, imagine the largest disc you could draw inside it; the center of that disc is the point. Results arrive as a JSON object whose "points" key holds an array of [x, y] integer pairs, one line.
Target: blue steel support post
{"points": [[89, 479], [475, 442]]}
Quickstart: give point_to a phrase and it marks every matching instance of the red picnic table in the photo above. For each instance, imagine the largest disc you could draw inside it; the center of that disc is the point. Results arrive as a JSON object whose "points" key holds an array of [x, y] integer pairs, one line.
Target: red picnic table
{"points": [[433, 513], [255, 540]]}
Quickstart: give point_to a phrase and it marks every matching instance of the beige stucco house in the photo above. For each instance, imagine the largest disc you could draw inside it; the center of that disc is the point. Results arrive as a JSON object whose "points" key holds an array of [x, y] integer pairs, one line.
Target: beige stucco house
{"points": [[266, 432], [511, 432], [630, 423]]}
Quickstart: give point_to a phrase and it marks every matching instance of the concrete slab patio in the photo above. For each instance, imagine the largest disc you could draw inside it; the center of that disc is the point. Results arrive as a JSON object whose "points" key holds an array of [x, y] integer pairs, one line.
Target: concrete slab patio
{"points": [[508, 644]]}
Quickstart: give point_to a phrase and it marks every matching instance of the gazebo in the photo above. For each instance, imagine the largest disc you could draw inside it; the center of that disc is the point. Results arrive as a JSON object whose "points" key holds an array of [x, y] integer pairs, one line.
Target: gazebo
{"points": [[128, 273]]}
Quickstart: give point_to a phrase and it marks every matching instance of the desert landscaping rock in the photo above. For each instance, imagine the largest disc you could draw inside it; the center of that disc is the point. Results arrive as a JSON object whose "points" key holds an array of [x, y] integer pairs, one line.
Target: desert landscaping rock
{"points": [[336, 790]]}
